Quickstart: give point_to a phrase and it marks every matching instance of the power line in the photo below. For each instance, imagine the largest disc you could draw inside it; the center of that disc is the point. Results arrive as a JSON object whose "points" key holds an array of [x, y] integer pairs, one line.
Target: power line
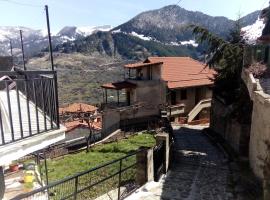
{"points": [[22, 4], [178, 2]]}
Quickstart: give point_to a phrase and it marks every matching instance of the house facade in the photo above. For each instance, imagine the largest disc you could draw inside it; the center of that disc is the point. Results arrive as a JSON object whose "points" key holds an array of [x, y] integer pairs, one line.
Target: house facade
{"points": [[188, 84], [176, 85]]}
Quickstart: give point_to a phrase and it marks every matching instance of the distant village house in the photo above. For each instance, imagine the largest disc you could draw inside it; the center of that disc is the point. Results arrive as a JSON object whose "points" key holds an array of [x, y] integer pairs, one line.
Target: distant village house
{"points": [[179, 85]]}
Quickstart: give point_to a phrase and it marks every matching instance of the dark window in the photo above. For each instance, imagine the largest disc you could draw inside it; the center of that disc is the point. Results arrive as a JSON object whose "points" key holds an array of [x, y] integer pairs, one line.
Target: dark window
{"points": [[173, 97], [183, 94]]}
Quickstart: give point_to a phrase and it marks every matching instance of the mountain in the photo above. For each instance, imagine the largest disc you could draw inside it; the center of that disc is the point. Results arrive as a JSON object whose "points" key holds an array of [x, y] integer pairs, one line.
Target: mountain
{"points": [[70, 33], [36, 40], [84, 63], [157, 32], [170, 24], [250, 18], [161, 32]]}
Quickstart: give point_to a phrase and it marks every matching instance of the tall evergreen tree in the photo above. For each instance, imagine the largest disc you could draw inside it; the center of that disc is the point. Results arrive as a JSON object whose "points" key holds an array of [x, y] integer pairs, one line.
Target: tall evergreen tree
{"points": [[226, 58]]}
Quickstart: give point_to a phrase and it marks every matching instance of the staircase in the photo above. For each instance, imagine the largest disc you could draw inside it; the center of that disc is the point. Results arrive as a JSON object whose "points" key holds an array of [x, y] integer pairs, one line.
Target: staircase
{"points": [[175, 110], [206, 103]]}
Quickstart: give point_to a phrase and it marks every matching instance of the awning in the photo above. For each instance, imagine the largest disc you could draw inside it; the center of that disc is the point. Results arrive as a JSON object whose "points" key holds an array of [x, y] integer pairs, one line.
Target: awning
{"points": [[140, 65], [119, 85]]}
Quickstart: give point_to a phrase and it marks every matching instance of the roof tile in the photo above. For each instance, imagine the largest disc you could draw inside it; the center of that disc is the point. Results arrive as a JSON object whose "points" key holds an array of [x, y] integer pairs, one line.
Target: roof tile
{"points": [[182, 72]]}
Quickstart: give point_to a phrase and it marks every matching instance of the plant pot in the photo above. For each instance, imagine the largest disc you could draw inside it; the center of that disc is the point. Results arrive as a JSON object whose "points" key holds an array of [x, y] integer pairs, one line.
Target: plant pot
{"points": [[28, 178], [13, 167]]}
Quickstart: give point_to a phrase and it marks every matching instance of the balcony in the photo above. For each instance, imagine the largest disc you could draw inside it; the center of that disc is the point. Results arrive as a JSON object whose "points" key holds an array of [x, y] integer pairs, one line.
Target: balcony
{"points": [[29, 119], [175, 110]]}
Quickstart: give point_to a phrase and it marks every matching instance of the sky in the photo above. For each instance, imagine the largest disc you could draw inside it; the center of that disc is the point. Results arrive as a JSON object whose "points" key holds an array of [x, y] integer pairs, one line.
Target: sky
{"points": [[30, 13]]}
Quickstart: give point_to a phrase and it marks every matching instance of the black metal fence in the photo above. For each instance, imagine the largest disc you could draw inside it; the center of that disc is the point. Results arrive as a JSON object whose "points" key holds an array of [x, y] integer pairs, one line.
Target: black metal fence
{"points": [[116, 177], [29, 104], [159, 160]]}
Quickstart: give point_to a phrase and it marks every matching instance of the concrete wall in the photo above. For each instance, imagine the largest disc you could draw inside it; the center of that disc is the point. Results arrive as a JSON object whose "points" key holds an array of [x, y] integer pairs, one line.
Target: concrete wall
{"points": [[146, 100], [156, 72], [149, 92], [189, 102], [235, 133], [110, 121], [5, 63], [260, 131], [80, 132], [21, 148], [260, 126], [203, 93]]}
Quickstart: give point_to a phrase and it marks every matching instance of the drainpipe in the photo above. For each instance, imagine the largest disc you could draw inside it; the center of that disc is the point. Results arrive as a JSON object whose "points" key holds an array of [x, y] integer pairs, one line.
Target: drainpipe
{"points": [[2, 183]]}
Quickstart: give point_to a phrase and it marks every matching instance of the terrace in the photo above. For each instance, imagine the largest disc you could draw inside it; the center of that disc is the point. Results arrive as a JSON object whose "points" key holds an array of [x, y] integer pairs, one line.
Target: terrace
{"points": [[29, 119]]}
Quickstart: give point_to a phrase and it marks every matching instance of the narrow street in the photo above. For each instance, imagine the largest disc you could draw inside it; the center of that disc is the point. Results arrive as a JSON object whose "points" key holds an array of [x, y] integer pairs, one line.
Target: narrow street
{"points": [[199, 171]]}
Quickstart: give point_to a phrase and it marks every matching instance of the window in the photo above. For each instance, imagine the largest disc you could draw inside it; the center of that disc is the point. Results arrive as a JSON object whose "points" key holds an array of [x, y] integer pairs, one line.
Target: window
{"points": [[183, 94]]}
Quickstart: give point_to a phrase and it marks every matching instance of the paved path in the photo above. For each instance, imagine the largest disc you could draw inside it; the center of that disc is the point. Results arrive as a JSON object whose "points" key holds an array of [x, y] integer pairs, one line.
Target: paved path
{"points": [[199, 171]]}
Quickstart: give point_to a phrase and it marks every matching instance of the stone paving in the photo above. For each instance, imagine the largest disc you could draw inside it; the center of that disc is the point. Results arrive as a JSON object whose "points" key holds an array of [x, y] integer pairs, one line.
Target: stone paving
{"points": [[200, 171]]}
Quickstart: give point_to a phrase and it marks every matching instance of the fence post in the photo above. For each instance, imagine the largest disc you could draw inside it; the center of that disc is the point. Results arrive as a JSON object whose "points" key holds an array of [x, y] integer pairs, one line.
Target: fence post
{"points": [[2, 182], [76, 188], [119, 180], [164, 137], [145, 166]]}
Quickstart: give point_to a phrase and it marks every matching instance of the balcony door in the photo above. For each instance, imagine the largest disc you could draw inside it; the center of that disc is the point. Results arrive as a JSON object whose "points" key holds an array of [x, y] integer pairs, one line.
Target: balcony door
{"points": [[128, 98], [173, 97]]}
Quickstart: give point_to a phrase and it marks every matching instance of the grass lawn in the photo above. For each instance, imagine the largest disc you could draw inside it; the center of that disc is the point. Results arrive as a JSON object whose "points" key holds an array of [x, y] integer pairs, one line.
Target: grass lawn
{"points": [[74, 163]]}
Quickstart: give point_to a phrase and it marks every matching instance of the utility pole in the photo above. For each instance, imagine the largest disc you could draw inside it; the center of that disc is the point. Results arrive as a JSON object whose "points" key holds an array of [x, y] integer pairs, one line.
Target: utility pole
{"points": [[52, 66], [49, 36], [11, 52], [24, 67]]}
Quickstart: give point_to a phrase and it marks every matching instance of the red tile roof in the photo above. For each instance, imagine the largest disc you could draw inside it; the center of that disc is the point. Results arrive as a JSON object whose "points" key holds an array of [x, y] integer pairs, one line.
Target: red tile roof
{"points": [[78, 107], [119, 85], [78, 124], [140, 65], [183, 72]]}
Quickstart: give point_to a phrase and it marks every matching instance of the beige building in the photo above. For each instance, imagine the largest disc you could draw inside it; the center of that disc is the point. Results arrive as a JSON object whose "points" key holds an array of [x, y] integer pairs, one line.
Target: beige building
{"points": [[181, 86]]}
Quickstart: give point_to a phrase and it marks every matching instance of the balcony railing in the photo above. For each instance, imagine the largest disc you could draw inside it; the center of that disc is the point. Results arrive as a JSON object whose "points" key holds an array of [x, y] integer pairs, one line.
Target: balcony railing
{"points": [[113, 105], [175, 110], [28, 104]]}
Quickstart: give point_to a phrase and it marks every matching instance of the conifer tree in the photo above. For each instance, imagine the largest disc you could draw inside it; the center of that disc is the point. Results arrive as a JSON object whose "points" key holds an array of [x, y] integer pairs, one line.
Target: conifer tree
{"points": [[226, 58]]}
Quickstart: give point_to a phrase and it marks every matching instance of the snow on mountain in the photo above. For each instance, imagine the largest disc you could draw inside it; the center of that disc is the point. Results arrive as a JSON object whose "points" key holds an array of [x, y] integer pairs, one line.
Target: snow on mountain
{"points": [[190, 42], [36, 40], [72, 32], [8, 33], [142, 37], [252, 32], [88, 30]]}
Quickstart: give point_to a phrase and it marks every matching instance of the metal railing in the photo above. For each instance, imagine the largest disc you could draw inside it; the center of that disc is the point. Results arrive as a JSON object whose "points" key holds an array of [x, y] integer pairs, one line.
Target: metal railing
{"points": [[28, 104], [159, 157], [118, 176]]}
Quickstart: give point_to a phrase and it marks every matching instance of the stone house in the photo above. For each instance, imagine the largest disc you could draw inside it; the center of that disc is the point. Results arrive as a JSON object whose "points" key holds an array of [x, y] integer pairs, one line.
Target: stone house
{"points": [[180, 86]]}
